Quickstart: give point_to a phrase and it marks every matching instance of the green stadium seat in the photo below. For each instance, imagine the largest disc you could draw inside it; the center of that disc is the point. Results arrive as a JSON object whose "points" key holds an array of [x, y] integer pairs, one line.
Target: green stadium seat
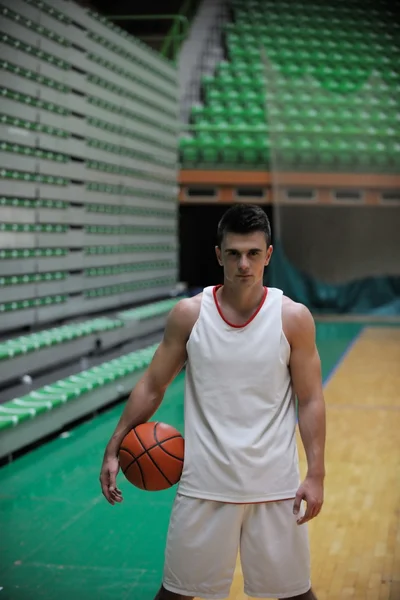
{"points": [[52, 397], [328, 95]]}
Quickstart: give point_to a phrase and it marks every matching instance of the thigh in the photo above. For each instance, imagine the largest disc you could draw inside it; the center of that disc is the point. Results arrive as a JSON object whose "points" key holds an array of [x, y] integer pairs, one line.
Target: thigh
{"points": [[202, 547], [274, 551]]}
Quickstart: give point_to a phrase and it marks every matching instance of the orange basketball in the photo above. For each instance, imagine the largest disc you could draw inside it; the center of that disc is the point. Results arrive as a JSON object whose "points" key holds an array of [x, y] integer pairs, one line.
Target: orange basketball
{"points": [[151, 456]]}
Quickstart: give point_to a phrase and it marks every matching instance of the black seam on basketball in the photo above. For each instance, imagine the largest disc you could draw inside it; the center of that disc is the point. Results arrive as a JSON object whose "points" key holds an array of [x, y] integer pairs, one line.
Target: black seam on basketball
{"points": [[130, 454], [127, 451], [172, 455], [153, 461], [178, 435], [141, 474], [173, 437], [136, 458]]}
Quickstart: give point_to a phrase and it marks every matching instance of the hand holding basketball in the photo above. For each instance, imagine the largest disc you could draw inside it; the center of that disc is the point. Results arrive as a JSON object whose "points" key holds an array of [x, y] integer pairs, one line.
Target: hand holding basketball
{"points": [[151, 456]]}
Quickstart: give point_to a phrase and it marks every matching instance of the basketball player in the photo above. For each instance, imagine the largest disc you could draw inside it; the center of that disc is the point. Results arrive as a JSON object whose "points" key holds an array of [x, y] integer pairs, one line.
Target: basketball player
{"points": [[248, 352]]}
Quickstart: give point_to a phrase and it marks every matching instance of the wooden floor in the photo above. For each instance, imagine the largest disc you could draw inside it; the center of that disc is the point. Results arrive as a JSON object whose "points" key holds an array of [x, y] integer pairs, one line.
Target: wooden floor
{"points": [[355, 542]]}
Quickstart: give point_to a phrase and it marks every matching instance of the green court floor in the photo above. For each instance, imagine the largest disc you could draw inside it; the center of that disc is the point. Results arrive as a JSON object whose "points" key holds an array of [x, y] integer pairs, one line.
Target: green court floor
{"points": [[61, 540]]}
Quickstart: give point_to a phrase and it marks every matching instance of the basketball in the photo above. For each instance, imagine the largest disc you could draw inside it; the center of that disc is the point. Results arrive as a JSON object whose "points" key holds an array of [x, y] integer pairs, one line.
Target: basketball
{"points": [[151, 456]]}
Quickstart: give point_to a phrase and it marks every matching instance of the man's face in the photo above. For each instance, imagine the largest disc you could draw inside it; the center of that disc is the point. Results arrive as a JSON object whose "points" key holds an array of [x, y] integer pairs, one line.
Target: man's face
{"points": [[244, 257]]}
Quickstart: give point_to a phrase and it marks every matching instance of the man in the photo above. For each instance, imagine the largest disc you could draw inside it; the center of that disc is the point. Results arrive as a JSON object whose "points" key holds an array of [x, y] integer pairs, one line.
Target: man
{"points": [[248, 352]]}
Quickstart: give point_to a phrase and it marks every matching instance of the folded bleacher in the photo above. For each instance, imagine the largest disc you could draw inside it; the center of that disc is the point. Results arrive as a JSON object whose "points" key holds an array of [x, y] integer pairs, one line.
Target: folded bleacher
{"points": [[88, 213]]}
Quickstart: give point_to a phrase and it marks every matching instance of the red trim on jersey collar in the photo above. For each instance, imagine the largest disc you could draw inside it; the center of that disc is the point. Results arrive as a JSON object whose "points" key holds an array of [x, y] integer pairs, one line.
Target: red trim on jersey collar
{"points": [[253, 316]]}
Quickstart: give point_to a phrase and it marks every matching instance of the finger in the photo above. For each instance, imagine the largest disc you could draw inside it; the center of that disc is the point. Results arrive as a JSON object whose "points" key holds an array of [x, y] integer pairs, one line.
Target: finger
{"points": [[317, 510], [107, 494], [116, 497], [297, 503], [307, 515], [106, 489]]}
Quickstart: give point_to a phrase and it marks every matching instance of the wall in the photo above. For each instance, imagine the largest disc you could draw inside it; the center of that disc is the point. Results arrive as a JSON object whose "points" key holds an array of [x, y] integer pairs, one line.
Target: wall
{"points": [[336, 244]]}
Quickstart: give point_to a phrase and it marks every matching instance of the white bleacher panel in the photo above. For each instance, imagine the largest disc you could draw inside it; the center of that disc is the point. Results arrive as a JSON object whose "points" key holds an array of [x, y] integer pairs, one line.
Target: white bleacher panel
{"points": [[15, 188], [68, 30], [62, 76], [142, 109], [14, 82], [10, 214], [70, 101], [70, 170], [162, 142], [101, 239], [70, 146], [20, 59], [161, 102], [14, 319], [159, 84], [89, 283], [17, 135], [138, 180], [69, 192], [135, 199], [27, 11], [108, 194], [20, 33], [112, 301], [69, 123], [131, 161], [147, 144], [16, 109], [32, 264], [70, 215], [21, 239], [9, 160], [73, 283], [17, 293], [108, 260], [90, 218], [65, 310]]}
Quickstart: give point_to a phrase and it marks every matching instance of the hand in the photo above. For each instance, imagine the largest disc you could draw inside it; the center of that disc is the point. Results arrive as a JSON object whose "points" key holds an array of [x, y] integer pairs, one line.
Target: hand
{"points": [[312, 491], [108, 476]]}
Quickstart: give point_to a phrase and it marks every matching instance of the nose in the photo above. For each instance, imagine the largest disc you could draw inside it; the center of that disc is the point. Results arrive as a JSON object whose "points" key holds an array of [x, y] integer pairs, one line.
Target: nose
{"points": [[243, 263]]}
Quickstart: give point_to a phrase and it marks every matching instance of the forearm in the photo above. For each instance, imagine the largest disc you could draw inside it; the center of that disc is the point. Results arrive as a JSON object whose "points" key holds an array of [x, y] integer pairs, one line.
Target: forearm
{"points": [[141, 405], [312, 426]]}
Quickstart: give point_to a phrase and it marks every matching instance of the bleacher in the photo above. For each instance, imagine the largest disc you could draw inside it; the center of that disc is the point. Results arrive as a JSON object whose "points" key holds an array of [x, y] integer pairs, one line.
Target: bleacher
{"points": [[88, 213], [305, 85]]}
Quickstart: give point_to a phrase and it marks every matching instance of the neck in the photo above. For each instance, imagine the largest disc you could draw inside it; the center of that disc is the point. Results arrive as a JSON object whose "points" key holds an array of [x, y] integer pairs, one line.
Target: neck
{"points": [[242, 300]]}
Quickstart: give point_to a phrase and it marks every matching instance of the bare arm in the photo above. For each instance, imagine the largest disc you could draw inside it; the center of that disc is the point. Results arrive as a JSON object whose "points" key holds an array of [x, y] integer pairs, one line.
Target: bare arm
{"points": [[305, 367], [148, 393]]}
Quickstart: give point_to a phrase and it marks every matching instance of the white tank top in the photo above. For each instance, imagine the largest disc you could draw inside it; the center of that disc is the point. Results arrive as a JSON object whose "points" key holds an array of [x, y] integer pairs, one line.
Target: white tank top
{"points": [[240, 415]]}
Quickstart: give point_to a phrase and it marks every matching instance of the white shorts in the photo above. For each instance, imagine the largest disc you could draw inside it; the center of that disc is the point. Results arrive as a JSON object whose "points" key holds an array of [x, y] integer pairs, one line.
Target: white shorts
{"points": [[204, 539]]}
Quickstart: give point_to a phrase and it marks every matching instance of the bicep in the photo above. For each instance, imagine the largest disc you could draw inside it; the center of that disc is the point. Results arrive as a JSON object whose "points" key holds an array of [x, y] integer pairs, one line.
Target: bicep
{"points": [[305, 363], [169, 358]]}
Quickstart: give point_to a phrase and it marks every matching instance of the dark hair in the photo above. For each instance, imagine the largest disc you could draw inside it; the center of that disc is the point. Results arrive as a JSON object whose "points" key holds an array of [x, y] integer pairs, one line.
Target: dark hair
{"points": [[243, 218]]}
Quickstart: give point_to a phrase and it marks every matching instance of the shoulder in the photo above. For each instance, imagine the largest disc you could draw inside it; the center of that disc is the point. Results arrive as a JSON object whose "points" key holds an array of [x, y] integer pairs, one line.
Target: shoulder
{"points": [[298, 322], [184, 315]]}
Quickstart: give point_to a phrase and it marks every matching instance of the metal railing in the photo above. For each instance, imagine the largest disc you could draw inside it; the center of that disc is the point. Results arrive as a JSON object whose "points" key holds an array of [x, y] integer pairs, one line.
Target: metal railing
{"points": [[177, 33]]}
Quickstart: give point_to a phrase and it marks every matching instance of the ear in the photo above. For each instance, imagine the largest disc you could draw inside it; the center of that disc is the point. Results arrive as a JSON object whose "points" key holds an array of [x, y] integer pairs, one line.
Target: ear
{"points": [[218, 253], [268, 256]]}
